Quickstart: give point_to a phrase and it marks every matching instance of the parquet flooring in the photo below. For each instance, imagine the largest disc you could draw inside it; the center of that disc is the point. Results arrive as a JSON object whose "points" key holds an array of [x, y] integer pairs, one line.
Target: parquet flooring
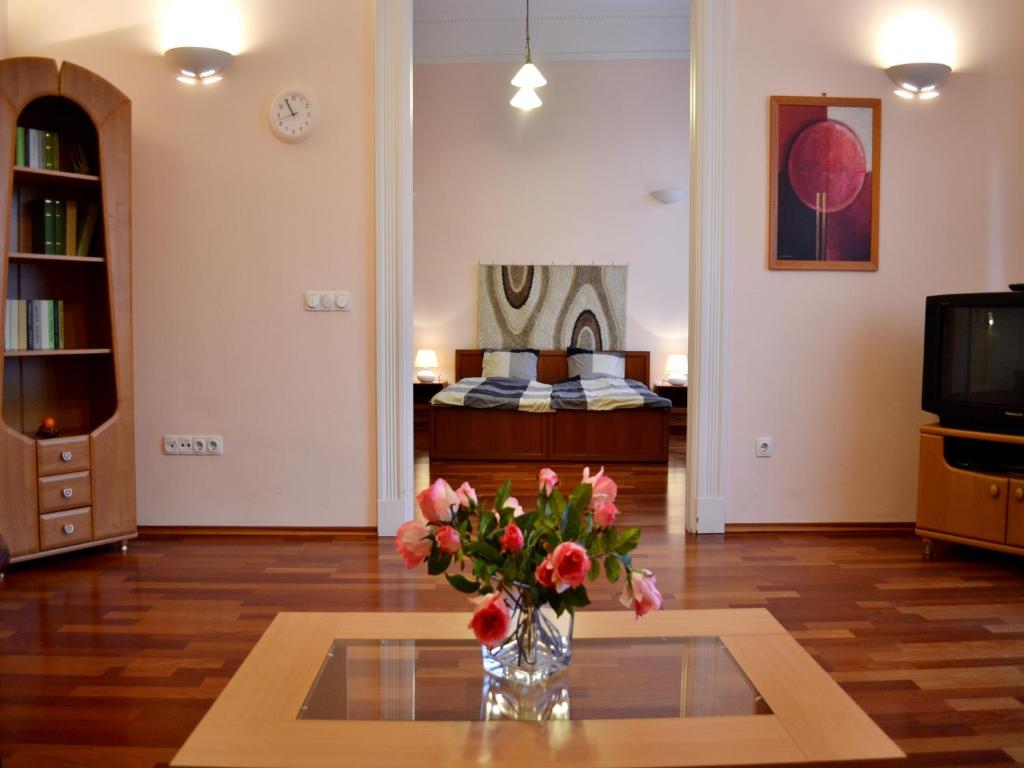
{"points": [[110, 660]]}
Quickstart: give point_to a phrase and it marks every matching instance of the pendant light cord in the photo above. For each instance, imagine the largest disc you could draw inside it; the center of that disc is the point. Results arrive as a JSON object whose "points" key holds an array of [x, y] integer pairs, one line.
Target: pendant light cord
{"points": [[528, 58]]}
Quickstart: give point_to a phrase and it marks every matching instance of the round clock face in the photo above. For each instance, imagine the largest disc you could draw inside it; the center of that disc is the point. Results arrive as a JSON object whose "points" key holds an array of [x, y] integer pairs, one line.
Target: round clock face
{"points": [[291, 116]]}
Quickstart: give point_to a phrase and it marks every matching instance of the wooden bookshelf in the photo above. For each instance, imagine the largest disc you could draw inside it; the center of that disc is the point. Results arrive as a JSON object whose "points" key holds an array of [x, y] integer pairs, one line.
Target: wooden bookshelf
{"points": [[87, 385]]}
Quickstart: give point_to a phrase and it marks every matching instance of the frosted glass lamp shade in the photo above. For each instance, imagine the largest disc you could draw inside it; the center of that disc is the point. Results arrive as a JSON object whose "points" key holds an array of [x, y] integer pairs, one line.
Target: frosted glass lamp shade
{"points": [[425, 360], [526, 99], [529, 76], [198, 65], [677, 369]]}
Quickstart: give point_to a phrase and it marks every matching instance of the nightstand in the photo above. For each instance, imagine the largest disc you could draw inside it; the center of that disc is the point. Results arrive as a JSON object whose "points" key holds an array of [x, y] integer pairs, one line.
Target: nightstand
{"points": [[677, 394], [421, 394]]}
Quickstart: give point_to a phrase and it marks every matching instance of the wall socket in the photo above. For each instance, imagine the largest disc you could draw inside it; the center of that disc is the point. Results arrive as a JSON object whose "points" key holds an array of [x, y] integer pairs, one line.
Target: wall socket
{"points": [[193, 445], [327, 301], [764, 447]]}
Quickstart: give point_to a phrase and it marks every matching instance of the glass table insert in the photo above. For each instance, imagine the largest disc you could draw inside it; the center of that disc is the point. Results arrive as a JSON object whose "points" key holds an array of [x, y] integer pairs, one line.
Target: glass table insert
{"points": [[609, 678]]}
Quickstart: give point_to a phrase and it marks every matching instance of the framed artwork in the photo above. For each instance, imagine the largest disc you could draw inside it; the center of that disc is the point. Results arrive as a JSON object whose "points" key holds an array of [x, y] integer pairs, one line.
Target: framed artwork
{"points": [[823, 183]]}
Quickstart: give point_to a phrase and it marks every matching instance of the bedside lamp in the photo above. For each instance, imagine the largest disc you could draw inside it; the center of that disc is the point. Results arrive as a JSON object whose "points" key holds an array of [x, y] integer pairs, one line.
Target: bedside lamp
{"points": [[676, 370], [425, 360]]}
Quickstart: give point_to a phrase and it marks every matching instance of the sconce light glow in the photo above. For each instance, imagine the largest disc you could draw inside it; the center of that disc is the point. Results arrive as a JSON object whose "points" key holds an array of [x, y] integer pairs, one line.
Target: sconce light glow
{"points": [[916, 35], [201, 24]]}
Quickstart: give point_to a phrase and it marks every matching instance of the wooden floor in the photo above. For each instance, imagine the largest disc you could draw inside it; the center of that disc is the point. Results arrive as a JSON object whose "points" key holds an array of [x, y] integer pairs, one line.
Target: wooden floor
{"points": [[110, 660]]}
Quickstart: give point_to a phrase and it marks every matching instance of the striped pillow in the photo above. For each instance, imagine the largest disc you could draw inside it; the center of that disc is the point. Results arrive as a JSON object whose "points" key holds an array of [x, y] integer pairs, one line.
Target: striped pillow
{"points": [[510, 364], [583, 362]]}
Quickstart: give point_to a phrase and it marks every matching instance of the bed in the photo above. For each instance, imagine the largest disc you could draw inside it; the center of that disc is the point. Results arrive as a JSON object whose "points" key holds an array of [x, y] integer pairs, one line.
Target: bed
{"points": [[628, 435]]}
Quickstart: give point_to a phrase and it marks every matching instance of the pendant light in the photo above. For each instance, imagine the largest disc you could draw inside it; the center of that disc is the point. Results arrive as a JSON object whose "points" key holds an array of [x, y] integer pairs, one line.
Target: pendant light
{"points": [[528, 78]]}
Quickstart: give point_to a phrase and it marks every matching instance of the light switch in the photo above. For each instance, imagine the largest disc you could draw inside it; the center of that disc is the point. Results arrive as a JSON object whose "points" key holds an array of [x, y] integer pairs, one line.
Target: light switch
{"points": [[328, 301]]}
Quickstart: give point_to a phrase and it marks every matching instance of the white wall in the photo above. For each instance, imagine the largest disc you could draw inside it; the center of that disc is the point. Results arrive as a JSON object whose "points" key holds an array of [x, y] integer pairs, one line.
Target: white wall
{"points": [[566, 183], [830, 363], [230, 227]]}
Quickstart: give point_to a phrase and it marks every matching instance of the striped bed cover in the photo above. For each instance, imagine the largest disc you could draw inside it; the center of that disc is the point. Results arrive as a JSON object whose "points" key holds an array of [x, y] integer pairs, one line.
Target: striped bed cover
{"points": [[494, 392], [604, 393]]}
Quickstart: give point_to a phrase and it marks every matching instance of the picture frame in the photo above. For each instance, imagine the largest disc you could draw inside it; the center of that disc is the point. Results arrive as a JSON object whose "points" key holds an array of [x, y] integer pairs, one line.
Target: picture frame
{"points": [[823, 183]]}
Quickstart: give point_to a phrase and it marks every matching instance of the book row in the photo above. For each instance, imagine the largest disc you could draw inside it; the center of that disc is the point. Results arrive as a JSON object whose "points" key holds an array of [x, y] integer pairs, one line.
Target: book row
{"points": [[34, 324], [54, 227], [35, 148]]}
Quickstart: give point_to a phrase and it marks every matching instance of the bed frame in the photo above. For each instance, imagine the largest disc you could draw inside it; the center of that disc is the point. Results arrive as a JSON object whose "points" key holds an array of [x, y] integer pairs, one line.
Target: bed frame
{"points": [[630, 435]]}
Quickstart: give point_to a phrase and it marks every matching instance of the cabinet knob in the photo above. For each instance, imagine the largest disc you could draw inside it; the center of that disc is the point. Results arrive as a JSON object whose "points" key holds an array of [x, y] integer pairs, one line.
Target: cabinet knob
{"points": [[994, 490], [1019, 493], [68, 529], [65, 456], [67, 492]]}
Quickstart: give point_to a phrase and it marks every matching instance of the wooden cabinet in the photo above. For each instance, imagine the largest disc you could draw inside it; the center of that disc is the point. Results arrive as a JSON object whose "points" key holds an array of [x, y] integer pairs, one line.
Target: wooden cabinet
{"points": [[678, 396], [422, 392], [65, 148], [967, 491]]}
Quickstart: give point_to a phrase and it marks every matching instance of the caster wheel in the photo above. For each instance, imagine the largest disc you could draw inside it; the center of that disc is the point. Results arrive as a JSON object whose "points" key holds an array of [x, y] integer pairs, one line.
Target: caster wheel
{"points": [[928, 548]]}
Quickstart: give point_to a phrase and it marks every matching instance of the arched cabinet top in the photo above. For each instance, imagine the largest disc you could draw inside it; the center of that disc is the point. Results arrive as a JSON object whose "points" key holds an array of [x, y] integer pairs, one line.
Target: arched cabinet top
{"points": [[24, 79]]}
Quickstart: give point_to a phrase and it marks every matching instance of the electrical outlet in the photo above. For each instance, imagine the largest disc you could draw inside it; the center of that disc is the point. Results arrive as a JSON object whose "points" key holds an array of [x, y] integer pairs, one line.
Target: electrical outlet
{"points": [[327, 301], [215, 445], [199, 445], [184, 444], [764, 447], [170, 444]]}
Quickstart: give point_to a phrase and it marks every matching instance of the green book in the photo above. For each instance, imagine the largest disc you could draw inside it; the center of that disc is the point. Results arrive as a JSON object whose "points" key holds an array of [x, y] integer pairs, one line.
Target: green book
{"points": [[19, 151], [92, 213], [49, 227], [50, 150], [59, 227], [60, 325]]}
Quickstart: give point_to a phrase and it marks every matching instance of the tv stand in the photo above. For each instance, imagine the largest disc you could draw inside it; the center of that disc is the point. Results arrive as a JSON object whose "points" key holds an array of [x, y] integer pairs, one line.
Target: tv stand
{"points": [[970, 489]]}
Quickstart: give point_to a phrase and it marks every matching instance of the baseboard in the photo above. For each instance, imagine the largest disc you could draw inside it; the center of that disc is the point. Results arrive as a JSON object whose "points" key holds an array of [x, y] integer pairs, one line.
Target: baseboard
{"points": [[242, 530], [901, 528]]}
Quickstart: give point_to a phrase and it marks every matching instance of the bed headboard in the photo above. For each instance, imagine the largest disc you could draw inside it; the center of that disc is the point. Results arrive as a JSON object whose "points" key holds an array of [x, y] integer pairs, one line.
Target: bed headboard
{"points": [[552, 365]]}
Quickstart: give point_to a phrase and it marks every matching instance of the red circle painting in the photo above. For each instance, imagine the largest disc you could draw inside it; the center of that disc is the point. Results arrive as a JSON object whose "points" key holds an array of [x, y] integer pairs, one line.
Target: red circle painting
{"points": [[827, 158]]}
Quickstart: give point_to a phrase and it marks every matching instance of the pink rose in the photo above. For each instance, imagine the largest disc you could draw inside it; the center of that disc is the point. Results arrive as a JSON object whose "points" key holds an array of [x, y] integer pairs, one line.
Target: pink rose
{"points": [[641, 593], [570, 564], [437, 502], [548, 480], [512, 503], [603, 488], [466, 495], [512, 540], [545, 574], [491, 622], [448, 540], [413, 542], [605, 514]]}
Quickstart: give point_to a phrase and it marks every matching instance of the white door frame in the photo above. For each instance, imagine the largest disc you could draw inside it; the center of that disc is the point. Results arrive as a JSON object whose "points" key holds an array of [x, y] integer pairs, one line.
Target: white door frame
{"points": [[711, 56]]}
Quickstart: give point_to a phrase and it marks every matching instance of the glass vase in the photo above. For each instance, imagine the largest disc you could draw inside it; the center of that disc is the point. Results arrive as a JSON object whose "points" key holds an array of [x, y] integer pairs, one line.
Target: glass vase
{"points": [[538, 647]]}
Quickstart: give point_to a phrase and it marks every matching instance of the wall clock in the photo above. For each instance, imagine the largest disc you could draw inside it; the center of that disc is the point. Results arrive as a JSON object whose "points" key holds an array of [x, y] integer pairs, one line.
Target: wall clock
{"points": [[291, 116]]}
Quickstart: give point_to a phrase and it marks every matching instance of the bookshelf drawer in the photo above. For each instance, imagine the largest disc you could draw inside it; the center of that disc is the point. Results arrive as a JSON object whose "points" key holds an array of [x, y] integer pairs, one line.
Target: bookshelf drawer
{"points": [[62, 529], [60, 455], [64, 491]]}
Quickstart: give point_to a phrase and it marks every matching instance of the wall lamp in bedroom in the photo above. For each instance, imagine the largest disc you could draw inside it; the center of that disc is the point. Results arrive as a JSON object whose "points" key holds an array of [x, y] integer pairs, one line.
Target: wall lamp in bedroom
{"points": [[425, 360], [198, 65], [528, 79], [917, 49], [919, 80], [668, 196]]}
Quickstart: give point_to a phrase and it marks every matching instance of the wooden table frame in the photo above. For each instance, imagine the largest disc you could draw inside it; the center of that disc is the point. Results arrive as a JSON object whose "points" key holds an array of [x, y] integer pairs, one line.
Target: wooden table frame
{"points": [[254, 721]]}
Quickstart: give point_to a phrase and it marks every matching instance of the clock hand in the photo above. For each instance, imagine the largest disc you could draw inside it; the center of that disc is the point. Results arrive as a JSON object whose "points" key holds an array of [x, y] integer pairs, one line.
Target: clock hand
{"points": [[290, 108]]}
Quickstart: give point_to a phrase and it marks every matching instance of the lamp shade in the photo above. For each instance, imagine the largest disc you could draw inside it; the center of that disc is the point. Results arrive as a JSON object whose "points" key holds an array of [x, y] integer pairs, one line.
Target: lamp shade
{"points": [[918, 80], [526, 99], [529, 76], [198, 65], [677, 369], [425, 358]]}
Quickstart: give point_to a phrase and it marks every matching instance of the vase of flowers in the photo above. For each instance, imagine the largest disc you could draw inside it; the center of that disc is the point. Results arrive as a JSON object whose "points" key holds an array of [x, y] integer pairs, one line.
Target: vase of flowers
{"points": [[527, 569]]}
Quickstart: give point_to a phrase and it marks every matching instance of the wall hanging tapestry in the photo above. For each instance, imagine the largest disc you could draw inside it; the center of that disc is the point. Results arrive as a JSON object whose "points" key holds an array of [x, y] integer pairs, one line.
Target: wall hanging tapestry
{"points": [[823, 183], [551, 307]]}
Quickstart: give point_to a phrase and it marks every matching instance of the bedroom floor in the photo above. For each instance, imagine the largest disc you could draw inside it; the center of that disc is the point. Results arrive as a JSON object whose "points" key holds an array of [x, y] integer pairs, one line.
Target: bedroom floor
{"points": [[110, 660]]}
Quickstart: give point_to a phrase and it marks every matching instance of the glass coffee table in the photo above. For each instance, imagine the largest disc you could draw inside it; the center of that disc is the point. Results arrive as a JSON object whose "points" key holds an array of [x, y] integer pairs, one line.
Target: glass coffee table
{"points": [[679, 688]]}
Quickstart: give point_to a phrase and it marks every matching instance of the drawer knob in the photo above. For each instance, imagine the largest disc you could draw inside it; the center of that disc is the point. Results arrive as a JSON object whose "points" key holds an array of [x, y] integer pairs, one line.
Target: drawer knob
{"points": [[1019, 493], [65, 456], [994, 490], [68, 528], [68, 492]]}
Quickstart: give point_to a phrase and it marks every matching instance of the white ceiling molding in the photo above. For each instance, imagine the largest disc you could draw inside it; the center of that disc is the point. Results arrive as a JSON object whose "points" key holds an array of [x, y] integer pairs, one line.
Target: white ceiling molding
{"points": [[457, 31]]}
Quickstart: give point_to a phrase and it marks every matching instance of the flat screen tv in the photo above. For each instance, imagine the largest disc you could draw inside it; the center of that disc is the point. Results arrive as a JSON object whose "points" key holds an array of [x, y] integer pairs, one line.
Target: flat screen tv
{"points": [[974, 360]]}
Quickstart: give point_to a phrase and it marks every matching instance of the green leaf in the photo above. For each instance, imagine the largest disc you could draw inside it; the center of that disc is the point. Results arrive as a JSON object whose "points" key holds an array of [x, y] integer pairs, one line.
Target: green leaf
{"points": [[611, 568], [556, 505], [487, 523], [595, 570], [438, 562], [579, 499], [627, 540], [503, 493], [462, 584], [572, 524], [481, 548], [576, 598]]}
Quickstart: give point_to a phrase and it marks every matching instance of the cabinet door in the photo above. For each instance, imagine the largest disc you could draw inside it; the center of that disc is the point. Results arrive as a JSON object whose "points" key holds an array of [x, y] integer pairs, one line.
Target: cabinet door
{"points": [[1015, 514], [951, 500]]}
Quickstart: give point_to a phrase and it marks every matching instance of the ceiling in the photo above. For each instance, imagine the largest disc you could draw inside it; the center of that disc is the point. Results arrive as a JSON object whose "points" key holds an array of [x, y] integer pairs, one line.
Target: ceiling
{"points": [[494, 30]]}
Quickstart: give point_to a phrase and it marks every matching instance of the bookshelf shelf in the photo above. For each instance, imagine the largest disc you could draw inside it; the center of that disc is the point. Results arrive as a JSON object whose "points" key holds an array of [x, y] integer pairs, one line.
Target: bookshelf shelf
{"points": [[43, 257], [54, 352], [66, 282], [23, 173]]}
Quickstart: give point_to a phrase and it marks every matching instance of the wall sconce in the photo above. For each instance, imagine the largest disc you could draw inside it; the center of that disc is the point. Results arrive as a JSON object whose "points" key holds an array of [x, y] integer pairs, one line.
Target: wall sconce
{"points": [[425, 360], [198, 65], [918, 80], [668, 196]]}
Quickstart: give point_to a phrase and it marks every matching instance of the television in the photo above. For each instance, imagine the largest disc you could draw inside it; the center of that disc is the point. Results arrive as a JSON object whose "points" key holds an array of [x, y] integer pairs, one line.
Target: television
{"points": [[974, 361]]}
